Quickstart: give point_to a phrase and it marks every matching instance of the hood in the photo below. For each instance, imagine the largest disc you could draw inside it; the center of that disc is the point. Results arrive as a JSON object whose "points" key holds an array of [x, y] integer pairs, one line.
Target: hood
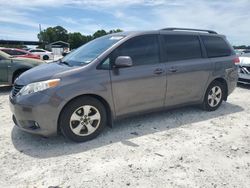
{"points": [[244, 61], [42, 72], [33, 62]]}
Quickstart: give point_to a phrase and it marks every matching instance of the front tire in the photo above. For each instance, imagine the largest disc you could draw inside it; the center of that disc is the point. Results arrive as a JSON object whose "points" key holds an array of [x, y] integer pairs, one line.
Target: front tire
{"points": [[16, 75], [83, 119], [214, 96]]}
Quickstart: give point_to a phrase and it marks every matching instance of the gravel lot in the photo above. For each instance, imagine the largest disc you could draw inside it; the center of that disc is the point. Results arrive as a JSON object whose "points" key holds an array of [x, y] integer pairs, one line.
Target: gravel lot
{"points": [[179, 148]]}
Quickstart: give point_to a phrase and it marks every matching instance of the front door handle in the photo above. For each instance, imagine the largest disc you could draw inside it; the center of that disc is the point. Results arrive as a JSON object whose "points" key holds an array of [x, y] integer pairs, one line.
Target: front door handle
{"points": [[158, 71], [172, 69]]}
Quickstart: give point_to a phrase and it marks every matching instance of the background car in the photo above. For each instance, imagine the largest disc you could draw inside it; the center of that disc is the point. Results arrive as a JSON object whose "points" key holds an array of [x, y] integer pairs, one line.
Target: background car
{"points": [[19, 53], [44, 54], [244, 68], [12, 67]]}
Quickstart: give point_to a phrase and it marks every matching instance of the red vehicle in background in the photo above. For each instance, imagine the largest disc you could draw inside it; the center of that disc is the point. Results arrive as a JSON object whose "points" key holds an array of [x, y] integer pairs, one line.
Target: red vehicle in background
{"points": [[19, 53]]}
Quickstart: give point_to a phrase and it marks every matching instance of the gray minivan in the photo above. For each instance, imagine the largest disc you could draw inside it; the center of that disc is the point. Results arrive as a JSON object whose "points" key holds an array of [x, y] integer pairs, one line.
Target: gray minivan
{"points": [[123, 74]]}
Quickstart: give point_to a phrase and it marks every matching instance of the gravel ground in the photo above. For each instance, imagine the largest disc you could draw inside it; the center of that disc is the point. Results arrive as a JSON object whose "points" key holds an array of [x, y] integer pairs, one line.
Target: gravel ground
{"points": [[179, 148]]}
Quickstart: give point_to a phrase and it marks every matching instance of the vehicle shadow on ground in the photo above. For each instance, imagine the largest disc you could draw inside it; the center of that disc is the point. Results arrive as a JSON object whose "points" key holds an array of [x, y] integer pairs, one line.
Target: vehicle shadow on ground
{"points": [[123, 131], [5, 90], [243, 86]]}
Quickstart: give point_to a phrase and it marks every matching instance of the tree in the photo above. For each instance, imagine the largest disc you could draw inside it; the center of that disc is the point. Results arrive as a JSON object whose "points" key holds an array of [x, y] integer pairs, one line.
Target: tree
{"points": [[115, 31], [52, 34], [99, 33], [76, 39]]}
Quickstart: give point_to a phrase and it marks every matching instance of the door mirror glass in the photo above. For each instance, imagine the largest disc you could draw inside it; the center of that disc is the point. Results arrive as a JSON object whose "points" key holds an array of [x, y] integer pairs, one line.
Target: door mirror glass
{"points": [[123, 61]]}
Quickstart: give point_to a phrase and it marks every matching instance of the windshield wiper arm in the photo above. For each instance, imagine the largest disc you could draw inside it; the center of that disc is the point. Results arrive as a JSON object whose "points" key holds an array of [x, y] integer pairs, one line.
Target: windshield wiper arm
{"points": [[64, 62]]}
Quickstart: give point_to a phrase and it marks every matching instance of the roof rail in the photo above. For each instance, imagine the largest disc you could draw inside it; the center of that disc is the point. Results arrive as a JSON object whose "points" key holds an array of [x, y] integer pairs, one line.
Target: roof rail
{"points": [[188, 29]]}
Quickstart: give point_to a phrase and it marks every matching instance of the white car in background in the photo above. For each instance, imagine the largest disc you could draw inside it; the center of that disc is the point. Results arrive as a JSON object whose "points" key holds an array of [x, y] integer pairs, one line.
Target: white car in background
{"points": [[44, 54], [244, 68]]}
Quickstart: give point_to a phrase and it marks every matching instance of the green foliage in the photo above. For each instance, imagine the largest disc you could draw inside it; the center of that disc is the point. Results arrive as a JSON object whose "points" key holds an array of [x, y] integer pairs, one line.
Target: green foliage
{"points": [[241, 47], [13, 46], [76, 39], [52, 34], [99, 33]]}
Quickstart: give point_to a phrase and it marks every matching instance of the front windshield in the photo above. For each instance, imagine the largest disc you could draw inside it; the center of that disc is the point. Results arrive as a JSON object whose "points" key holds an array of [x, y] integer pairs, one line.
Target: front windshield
{"points": [[88, 52], [5, 55]]}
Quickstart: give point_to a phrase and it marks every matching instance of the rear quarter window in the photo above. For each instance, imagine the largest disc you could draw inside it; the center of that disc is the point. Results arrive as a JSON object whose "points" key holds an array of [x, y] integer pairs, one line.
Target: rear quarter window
{"points": [[216, 46]]}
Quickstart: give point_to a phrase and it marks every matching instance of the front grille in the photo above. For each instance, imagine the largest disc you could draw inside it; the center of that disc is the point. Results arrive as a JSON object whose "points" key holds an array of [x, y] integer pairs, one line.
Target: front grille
{"points": [[248, 68], [244, 80], [244, 70], [16, 88]]}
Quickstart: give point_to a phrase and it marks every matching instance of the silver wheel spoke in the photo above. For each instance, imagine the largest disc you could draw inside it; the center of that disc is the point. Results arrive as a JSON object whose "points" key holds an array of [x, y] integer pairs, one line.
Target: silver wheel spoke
{"points": [[217, 100], [213, 90], [218, 92], [90, 128], [86, 110], [210, 97], [212, 102], [78, 129], [96, 116], [75, 117]]}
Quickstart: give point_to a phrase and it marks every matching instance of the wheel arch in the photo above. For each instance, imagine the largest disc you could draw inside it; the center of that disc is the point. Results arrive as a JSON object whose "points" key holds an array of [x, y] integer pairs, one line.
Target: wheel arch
{"points": [[98, 97], [16, 72], [224, 83]]}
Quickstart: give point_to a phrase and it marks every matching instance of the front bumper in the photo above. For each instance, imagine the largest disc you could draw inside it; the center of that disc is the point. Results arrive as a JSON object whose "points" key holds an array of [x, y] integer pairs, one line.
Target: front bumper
{"points": [[244, 75], [36, 113]]}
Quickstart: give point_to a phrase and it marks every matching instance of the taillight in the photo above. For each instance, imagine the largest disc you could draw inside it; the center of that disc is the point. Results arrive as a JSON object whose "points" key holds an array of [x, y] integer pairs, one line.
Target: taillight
{"points": [[237, 60]]}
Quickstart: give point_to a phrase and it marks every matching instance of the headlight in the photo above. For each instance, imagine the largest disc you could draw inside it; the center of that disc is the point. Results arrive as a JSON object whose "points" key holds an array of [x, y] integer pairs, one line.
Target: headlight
{"points": [[38, 86]]}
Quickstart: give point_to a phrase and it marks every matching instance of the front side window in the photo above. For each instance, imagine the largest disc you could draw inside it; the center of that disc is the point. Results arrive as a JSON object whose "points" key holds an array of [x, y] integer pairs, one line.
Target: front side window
{"points": [[40, 51], [18, 52], [181, 47], [143, 50], [216, 46]]}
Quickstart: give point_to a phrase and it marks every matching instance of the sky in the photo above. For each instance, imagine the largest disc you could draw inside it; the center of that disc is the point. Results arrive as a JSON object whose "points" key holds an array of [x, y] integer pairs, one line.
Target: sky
{"points": [[20, 19]]}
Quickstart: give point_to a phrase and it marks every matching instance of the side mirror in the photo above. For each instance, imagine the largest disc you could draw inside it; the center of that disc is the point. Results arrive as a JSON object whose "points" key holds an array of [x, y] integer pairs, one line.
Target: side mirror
{"points": [[123, 61]]}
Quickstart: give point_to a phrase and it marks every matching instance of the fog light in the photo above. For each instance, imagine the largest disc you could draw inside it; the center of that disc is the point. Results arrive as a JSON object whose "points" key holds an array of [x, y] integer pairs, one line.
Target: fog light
{"points": [[34, 125]]}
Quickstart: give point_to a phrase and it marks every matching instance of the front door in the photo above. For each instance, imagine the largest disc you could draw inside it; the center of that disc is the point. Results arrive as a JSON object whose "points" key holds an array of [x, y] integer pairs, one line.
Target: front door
{"points": [[3, 70], [140, 87]]}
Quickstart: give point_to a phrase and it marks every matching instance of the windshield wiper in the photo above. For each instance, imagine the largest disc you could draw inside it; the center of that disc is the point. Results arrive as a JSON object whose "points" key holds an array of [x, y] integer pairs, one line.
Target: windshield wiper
{"points": [[64, 62]]}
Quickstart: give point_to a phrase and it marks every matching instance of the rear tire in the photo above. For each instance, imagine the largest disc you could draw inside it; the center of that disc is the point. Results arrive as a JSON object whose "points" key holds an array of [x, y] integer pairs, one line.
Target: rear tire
{"points": [[214, 96], [83, 119], [45, 57]]}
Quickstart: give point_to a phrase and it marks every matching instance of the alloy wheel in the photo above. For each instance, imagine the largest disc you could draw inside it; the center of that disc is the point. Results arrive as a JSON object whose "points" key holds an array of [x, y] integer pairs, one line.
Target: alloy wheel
{"points": [[214, 96], [85, 120]]}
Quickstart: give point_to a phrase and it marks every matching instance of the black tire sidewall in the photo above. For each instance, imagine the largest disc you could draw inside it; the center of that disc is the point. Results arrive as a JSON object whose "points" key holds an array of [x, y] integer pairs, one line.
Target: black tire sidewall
{"points": [[66, 113], [17, 75], [45, 57], [206, 106]]}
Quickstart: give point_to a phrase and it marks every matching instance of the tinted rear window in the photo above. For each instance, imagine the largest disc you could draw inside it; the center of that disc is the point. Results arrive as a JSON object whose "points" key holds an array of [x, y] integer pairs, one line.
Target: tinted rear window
{"points": [[181, 47], [216, 46]]}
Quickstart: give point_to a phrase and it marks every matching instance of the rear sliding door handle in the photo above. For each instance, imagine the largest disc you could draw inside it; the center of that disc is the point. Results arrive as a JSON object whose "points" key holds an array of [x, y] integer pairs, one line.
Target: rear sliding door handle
{"points": [[158, 71]]}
